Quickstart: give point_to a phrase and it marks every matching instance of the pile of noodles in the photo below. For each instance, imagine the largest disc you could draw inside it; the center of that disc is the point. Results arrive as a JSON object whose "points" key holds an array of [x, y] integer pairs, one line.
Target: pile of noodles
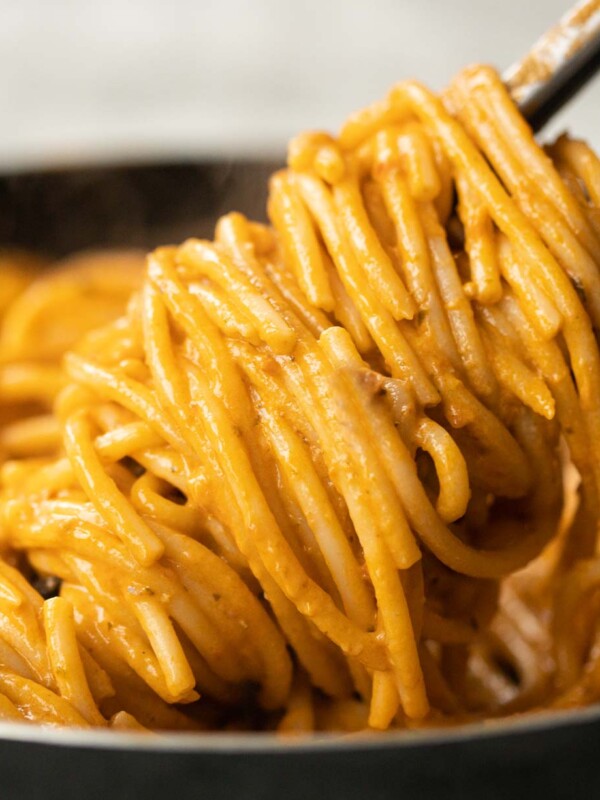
{"points": [[336, 473]]}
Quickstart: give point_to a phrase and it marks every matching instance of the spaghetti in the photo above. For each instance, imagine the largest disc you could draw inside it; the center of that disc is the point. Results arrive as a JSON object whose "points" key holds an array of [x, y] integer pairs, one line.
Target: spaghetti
{"points": [[336, 473]]}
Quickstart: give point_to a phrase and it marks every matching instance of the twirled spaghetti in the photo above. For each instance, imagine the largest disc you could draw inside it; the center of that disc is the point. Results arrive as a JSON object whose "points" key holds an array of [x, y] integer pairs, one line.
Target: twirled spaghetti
{"points": [[336, 473]]}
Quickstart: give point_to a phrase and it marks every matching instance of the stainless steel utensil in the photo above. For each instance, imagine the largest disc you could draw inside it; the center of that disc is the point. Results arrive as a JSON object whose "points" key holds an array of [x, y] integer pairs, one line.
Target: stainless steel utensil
{"points": [[565, 58]]}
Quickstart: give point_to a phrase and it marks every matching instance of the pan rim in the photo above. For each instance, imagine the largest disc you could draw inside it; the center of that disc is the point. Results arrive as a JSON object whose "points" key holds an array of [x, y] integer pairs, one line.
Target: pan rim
{"points": [[257, 743]]}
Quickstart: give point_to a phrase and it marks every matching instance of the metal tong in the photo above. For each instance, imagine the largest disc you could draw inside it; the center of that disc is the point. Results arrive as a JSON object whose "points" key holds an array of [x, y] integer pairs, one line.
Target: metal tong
{"points": [[563, 60]]}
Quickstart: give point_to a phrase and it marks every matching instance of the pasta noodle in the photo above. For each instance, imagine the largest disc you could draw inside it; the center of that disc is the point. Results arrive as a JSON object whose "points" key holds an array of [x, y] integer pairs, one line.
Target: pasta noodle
{"points": [[335, 473]]}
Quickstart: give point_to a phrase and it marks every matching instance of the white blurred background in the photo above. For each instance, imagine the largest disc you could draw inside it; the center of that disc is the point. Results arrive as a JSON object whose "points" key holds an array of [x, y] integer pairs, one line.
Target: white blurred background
{"points": [[118, 80]]}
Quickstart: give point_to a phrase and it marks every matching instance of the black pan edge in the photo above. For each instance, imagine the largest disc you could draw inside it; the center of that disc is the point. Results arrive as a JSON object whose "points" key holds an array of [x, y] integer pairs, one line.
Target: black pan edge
{"points": [[236, 743]]}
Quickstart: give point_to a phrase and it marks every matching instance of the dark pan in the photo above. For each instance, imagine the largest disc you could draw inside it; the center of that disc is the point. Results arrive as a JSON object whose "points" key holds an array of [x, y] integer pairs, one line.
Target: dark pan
{"points": [[545, 757], [551, 755], [63, 210]]}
